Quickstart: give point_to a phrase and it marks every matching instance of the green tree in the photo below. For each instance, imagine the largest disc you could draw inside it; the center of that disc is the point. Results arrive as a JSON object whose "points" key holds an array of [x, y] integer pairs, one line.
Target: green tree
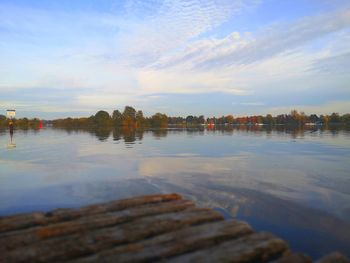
{"points": [[140, 120], [102, 118], [268, 119], [159, 120], [314, 118], [189, 119], [201, 119], [129, 112], [345, 118], [334, 118]]}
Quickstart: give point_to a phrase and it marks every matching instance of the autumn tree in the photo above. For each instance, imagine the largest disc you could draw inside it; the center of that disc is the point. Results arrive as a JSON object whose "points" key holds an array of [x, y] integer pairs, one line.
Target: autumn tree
{"points": [[2, 120], [129, 116], [117, 118], [229, 119]]}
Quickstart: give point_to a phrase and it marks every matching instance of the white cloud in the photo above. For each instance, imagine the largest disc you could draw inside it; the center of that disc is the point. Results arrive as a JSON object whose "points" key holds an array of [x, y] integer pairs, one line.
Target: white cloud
{"points": [[41, 22], [175, 23], [241, 64], [338, 64], [42, 107], [249, 103], [158, 81], [274, 40]]}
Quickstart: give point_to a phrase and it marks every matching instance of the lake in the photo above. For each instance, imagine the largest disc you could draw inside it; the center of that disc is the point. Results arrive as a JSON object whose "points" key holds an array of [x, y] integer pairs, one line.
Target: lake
{"points": [[294, 183]]}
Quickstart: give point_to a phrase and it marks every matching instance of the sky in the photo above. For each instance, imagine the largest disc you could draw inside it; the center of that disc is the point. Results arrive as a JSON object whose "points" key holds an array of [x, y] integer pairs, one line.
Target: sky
{"points": [[211, 57]]}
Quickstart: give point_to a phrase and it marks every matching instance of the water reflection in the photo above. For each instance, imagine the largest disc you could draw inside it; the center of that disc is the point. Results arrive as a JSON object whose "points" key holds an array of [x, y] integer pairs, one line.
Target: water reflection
{"points": [[102, 133], [306, 229], [129, 135], [161, 133], [12, 143], [293, 182]]}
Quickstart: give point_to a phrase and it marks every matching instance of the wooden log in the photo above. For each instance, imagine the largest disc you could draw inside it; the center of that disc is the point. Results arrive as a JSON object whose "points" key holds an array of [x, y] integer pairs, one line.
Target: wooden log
{"points": [[334, 257], [22, 221], [258, 247], [14, 239], [173, 243], [143, 229], [89, 242], [289, 257]]}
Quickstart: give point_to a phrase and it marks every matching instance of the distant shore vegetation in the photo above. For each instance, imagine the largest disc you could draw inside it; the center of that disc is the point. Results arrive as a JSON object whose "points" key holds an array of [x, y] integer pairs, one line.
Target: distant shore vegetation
{"points": [[22, 123], [135, 119], [132, 118]]}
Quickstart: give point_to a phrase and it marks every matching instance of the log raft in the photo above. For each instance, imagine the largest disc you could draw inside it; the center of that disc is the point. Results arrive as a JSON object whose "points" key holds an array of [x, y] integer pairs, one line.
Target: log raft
{"points": [[157, 228]]}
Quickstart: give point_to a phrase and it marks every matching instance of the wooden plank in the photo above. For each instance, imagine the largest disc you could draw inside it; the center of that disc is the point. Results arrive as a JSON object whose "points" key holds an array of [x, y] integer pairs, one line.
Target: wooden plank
{"points": [[14, 239], [173, 243], [142, 229], [22, 221], [90, 242], [258, 247], [334, 257], [289, 257]]}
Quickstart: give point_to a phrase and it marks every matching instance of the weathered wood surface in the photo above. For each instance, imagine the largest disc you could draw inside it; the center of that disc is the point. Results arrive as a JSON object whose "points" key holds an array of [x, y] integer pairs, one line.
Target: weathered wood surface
{"points": [[142, 229], [18, 222]]}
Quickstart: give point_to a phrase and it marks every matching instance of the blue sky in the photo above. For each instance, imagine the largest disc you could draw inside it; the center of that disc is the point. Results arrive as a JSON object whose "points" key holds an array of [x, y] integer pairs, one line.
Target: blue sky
{"points": [[212, 57]]}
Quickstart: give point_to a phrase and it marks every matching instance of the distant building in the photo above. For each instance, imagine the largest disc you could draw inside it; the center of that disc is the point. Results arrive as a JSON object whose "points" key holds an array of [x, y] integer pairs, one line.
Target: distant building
{"points": [[11, 113]]}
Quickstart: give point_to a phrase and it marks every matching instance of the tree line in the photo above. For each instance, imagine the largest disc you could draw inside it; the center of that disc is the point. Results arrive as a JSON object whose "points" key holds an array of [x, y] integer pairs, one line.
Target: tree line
{"points": [[294, 118], [132, 118], [129, 118], [135, 118], [22, 123]]}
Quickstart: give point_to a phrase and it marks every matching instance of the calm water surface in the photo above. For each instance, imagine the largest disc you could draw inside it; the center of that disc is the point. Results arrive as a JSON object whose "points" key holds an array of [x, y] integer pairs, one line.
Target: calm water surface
{"points": [[295, 184]]}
